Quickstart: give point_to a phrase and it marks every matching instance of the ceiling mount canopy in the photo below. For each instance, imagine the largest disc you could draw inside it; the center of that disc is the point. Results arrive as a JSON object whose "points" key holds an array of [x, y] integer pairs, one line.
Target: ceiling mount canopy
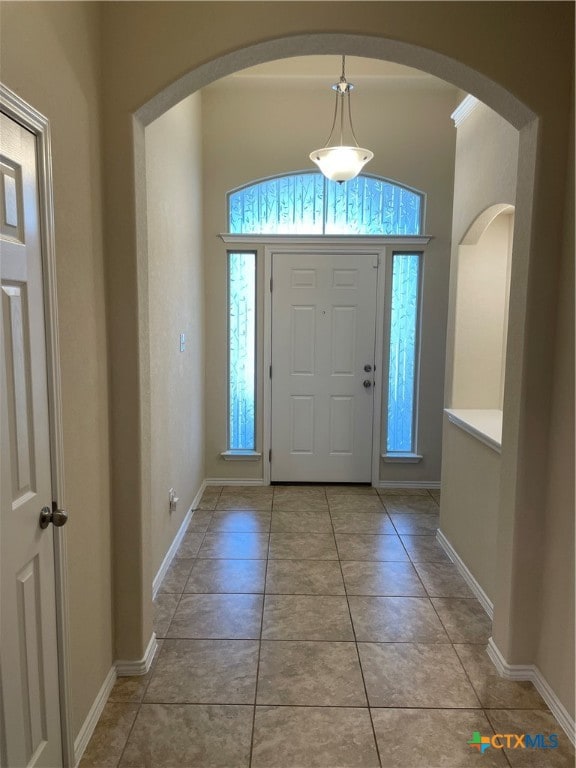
{"points": [[341, 162]]}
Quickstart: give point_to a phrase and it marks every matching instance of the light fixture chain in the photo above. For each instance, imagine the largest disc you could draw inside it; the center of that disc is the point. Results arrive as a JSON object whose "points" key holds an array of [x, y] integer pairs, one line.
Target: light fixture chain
{"points": [[350, 120]]}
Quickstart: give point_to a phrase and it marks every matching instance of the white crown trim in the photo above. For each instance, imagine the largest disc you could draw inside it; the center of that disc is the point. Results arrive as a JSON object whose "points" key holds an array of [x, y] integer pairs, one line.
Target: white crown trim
{"points": [[464, 110]]}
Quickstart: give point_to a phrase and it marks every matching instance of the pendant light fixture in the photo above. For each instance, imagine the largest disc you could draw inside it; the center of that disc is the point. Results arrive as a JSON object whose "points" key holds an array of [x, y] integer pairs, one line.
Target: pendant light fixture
{"points": [[341, 162]]}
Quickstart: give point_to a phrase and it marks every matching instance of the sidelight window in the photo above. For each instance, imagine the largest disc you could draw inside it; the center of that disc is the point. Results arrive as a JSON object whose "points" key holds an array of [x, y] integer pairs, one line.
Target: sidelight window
{"points": [[403, 353], [241, 351]]}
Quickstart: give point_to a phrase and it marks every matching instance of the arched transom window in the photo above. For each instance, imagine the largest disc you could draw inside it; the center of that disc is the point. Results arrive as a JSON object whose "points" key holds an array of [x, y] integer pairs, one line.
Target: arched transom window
{"points": [[308, 204]]}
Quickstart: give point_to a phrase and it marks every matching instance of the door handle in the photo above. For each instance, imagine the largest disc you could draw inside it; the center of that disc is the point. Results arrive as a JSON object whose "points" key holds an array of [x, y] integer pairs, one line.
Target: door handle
{"points": [[57, 517], [367, 383]]}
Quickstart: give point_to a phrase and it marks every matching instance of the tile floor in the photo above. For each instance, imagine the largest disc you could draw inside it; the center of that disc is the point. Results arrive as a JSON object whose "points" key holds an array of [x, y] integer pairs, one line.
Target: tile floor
{"points": [[308, 627]]}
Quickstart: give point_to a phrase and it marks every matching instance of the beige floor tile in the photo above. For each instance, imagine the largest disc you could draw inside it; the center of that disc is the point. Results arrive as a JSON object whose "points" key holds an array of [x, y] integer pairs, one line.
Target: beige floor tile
{"points": [[247, 490], [433, 738], [361, 522], [310, 674], [234, 617], [393, 579], [304, 577], [205, 672], [226, 576], [435, 493], [308, 491], [402, 505], [190, 544], [300, 502], [355, 503], [185, 735], [416, 523], [302, 546], [496, 692], [233, 545], [415, 675], [349, 490], [110, 735], [306, 521], [200, 519], [424, 549], [164, 608], [392, 492], [306, 617], [313, 737], [360, 546], [464, 619], [533, 722], [176, 576], [442, 579], [209, 498], [245, 501], [240, 521], [396, 620]]}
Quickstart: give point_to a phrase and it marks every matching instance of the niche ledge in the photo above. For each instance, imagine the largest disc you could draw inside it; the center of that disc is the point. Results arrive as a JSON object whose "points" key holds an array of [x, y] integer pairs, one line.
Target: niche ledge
{"points": [[485, 424]]}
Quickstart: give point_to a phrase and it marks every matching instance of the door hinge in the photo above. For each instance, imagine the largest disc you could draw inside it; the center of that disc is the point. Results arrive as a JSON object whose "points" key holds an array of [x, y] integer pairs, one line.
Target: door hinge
{"points": [[271, 284], [270, 371], [270, 455]]}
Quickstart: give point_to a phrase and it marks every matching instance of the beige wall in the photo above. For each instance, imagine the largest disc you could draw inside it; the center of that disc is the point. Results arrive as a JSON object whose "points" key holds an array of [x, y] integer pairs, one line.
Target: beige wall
{"points": [[277, 130], [481, 317], [59, 75], [176, 305], [555, 656], [484, 176], [469, 519]]}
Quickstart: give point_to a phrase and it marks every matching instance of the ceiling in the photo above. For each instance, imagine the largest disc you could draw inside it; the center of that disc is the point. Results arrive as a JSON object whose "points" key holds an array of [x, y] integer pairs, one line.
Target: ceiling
{"points": [[328, 68]]}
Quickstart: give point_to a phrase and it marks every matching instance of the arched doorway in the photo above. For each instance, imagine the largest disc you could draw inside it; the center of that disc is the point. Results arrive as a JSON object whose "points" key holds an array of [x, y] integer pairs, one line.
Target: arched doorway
{"points": [[493, 95]]}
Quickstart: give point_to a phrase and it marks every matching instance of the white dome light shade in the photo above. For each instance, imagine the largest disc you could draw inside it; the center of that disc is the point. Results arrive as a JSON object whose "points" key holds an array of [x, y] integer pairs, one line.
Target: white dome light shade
{"points": [[341, 163]]}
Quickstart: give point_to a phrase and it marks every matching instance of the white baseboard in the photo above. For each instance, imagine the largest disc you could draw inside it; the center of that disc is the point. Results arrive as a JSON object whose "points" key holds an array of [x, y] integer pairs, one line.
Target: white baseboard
{"points": [[88, 726], [432, 484], [532, 673], [232, 481], [126, 668], [176, 542], [466, 574]]}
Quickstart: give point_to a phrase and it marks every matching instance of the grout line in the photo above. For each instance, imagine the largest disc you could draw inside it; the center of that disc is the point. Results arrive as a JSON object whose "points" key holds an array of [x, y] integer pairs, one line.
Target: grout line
{"points": [[259, 655], [358, 655]]}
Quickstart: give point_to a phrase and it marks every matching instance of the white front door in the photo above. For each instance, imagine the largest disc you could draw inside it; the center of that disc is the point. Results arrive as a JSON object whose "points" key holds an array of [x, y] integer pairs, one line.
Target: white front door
{"points": [[323, 330], [29, 709]]}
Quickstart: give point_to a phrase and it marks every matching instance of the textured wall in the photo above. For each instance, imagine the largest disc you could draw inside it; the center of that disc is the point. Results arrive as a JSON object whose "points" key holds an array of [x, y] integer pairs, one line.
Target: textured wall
{"points": [[176, 302]]}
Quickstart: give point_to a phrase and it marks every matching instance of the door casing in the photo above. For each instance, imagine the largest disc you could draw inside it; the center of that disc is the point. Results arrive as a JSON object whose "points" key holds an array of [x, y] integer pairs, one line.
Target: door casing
{"points": [[21, 112], [381, 247]]}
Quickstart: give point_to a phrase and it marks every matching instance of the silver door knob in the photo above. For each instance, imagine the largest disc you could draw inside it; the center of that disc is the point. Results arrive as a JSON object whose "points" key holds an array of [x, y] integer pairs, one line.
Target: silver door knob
{"points": [[367, 368], [367, 383], [57, 517]]}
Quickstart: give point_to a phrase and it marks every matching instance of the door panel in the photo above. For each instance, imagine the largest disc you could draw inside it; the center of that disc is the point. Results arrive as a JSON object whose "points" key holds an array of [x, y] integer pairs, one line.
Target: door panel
{"points": [[28, 655], [323, 327]]}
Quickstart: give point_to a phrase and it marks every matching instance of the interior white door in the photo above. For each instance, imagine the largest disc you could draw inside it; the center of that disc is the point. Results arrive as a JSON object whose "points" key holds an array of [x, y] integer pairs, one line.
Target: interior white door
{"points": [[323, 331], [28, 654]]}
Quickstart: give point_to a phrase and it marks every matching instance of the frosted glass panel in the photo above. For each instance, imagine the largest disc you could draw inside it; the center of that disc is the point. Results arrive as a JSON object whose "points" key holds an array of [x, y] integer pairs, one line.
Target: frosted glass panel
{"points": [[369, 206], [309, 204], [241, 349], [402, 364], [284, 205]]}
